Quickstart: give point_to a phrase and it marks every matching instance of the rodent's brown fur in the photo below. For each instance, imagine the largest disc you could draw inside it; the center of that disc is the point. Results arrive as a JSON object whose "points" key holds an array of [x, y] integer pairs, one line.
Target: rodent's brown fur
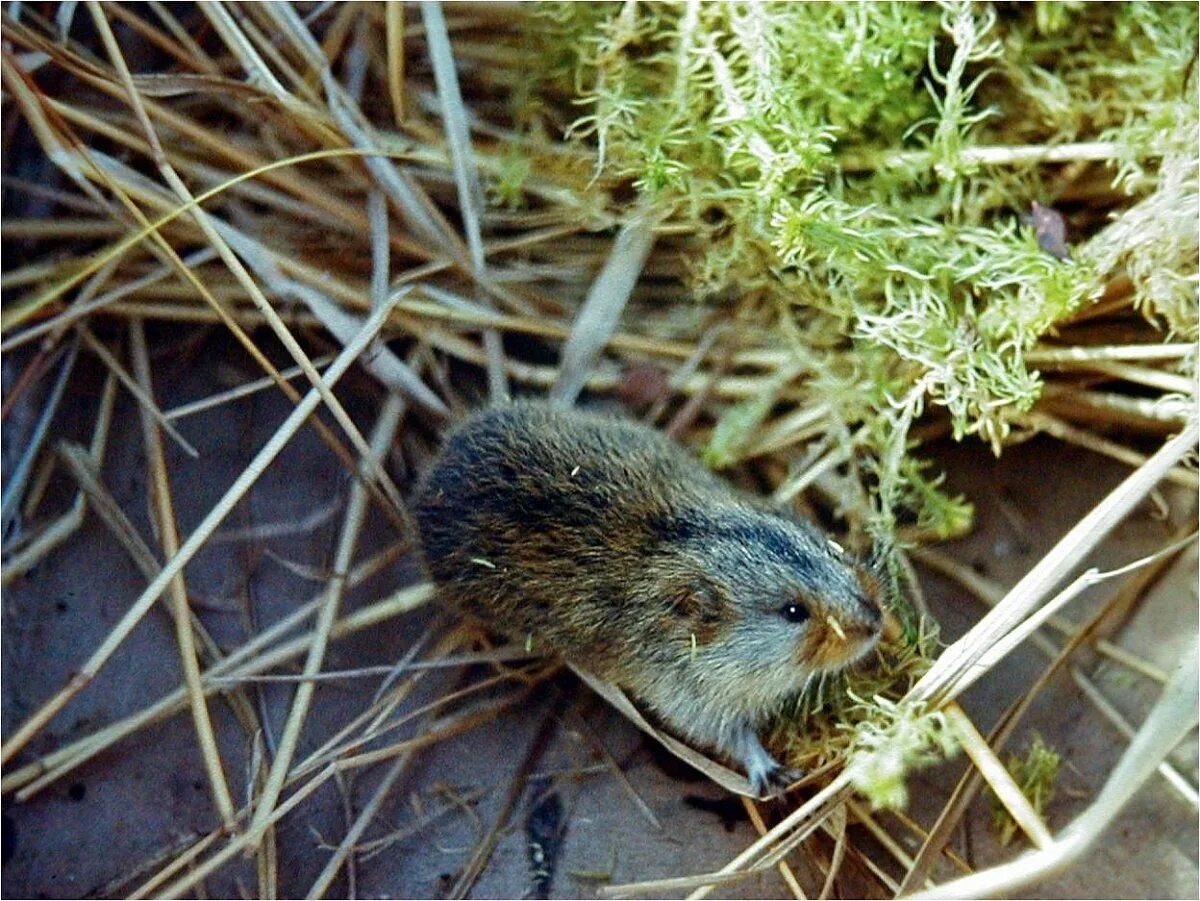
{"points": [[600, 540]]}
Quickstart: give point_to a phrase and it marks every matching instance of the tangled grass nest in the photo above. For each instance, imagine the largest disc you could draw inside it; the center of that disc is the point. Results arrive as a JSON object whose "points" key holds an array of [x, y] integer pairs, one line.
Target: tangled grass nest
{"points": [[804, 277]]}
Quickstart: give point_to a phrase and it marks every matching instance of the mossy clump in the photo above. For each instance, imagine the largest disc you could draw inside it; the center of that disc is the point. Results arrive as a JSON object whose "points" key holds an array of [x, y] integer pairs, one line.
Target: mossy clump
{"points": [[896, 739], [865, 173]]}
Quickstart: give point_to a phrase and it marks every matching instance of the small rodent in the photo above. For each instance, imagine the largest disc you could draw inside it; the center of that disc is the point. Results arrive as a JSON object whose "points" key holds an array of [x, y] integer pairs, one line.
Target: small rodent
{"points": [[602, 541]]}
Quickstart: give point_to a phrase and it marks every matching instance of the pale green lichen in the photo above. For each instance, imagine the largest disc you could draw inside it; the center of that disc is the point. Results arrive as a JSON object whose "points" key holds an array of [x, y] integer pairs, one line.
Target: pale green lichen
{"points": [[897, 739]]}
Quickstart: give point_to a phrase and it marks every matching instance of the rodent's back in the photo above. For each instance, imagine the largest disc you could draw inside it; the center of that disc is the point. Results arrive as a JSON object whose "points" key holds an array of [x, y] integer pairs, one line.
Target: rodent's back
{"points": [[540, 521]]}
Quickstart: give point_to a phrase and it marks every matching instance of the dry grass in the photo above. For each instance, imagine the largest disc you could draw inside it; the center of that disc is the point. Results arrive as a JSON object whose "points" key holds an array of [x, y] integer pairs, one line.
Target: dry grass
{"points": [[289, 176]]}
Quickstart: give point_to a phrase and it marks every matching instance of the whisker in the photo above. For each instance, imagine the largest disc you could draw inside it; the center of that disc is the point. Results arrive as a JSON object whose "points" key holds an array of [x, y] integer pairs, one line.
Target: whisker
{"points": [[835, 626]]}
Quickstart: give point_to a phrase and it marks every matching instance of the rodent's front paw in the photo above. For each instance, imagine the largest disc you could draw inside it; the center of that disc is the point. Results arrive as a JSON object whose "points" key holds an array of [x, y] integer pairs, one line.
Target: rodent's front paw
{"points": [[771, 781]]}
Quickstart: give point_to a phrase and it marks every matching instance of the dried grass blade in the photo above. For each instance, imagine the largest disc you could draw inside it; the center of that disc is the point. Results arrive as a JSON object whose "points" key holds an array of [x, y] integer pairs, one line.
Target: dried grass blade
{"points": [[195, 52], [466, 174], [32, 778], [380, 249], [1063, 431], [77, 310], [10, 317], [1029, 592], [15, 488], [419, 211], [241, 842], [601, 311], [84, 471], [722, 775], [244, 390], [395, 374], [796, 823], [785, 871], [458, 138], [881, 835], [244, 52], [836, 828], [997, 777], [62, 528], [359, 826], [964, 792], [394, 13], [164, 514], [1110, 713], [382, 486], [145, 402], [211, 233], [1066, 356]]}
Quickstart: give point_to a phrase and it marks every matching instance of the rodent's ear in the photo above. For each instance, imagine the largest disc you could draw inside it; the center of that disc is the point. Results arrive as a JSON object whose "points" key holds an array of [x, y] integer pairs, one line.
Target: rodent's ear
{"points": [[700, 606]]}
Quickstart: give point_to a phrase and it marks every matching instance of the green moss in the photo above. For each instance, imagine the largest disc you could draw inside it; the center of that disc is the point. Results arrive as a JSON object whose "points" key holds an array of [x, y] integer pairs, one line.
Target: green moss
{"points": [[1035, 774], [823, 154]]}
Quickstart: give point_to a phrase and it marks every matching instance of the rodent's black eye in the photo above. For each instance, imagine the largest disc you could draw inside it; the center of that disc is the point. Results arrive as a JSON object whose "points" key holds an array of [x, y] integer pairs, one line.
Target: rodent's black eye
{"points": [[794, 613]]}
